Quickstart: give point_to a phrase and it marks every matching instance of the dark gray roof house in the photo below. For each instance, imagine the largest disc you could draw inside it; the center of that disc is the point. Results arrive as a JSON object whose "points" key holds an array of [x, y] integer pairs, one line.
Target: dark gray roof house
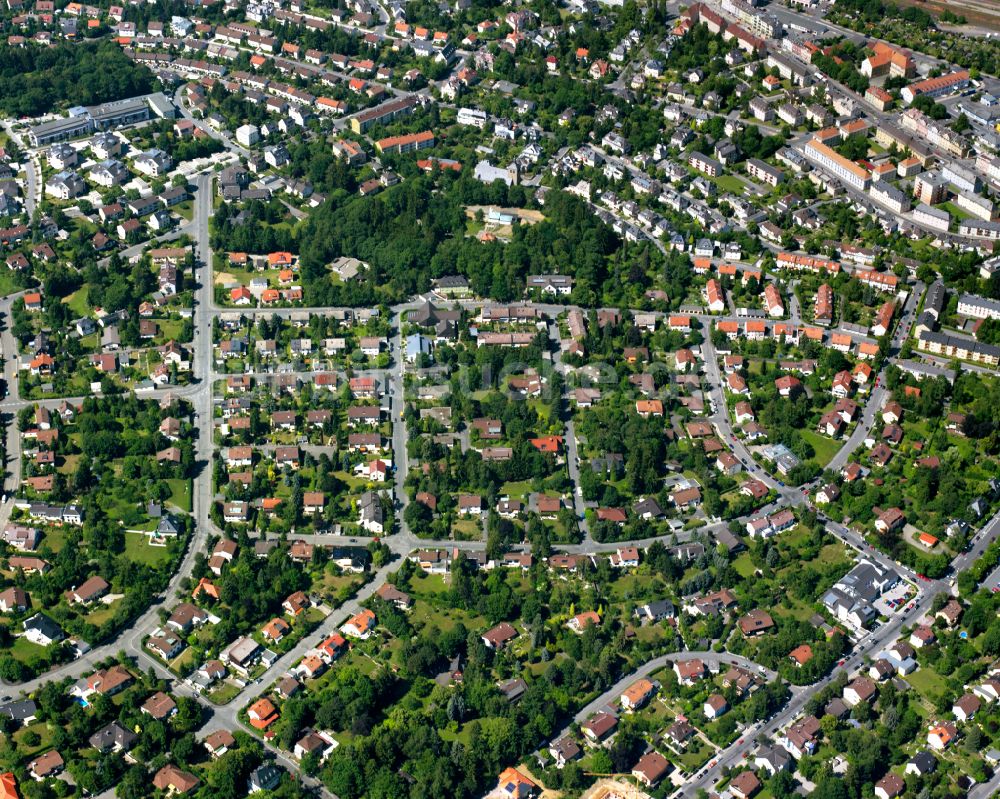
{"points": [[42, 630], [113, 737], [513, 689], [264, 778], [168, 525], [923, 762], [22, 711]]}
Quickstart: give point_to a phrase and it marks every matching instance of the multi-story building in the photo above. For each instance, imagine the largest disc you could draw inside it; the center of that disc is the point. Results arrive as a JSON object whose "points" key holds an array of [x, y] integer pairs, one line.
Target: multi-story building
{"points": [[383, 114], [886, 59], [978, 307], [935, 87], [764, 172], [833, 162], [890, 196], [823, 310], [703, 163], [888, 135], [761, 24], [951, 346], [84, 120], [962, 178], [977, 205], [407, 143], [929, 188], [790, 70], [934, 218], [979, 230], [472, 116]]}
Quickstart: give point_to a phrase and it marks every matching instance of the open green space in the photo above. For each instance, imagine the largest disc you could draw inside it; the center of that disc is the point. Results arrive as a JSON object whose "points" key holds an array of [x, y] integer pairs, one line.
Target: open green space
{"points": [[825, 447], [138, 549], [224, 694], [180, 493], [77, 302], [730, 183]]}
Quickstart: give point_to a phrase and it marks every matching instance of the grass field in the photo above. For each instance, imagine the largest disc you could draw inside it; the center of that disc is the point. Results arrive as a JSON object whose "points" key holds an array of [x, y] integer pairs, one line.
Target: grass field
{"points": [[730, 183], [7, 284], [24, 650], [185, 209], [825, 447], [184, 662], [137, 549], [170, 328], [224, 694], [55, 538], [463, 736], [927, 682], [180, 493], [41, 728], [101, 614], [743, 565], [77, 302], [957, 214], [467, 529], [519, 490]]}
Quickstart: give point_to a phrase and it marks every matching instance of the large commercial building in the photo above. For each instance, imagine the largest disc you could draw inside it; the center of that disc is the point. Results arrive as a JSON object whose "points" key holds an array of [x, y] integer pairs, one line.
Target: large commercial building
{"points": [[84, 120]]}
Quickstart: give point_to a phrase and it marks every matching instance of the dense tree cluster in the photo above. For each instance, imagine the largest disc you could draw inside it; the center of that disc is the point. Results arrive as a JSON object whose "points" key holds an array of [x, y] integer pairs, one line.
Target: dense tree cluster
{"points": [[412, 234], [33, 80]]}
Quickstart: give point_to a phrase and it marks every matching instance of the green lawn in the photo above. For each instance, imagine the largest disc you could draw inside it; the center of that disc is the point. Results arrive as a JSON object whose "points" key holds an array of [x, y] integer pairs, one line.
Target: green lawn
{"points": [[138, 549], [693, 758], [24, 650], [55, 538], [77, 302], [224, 694], [957, 214], [40, 728], [927, 682], [467, 529], [180, 493], [184, 662], [185, 209], [744, 566], [170, 329], [519, 490], [100, 615], [69, 464], [825, 447], [463, 736], [7, 284], [730, 183]]}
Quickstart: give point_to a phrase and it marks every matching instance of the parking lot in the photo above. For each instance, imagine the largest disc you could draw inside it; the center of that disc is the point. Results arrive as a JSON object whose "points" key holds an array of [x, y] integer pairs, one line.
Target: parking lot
{"points": [[895, 599]]}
